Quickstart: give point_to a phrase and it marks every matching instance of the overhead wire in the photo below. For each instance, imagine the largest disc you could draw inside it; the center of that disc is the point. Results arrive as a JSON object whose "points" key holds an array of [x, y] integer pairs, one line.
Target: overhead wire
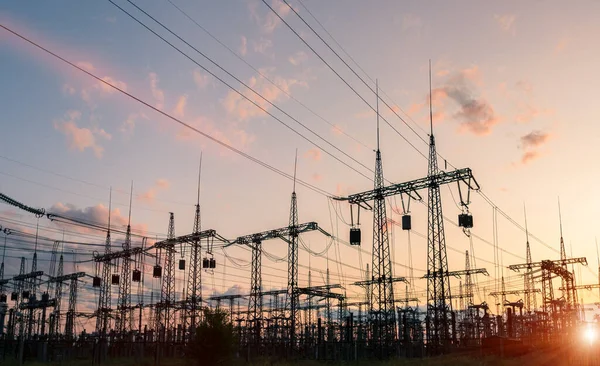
{"points": [[169, 116], [265, 110]]}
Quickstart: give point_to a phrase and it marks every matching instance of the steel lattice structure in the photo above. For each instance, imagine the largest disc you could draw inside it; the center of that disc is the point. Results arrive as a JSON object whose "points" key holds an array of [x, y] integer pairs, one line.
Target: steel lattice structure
{"points": [[104, 299], [194, 283], [124, 317], [292, 293]]}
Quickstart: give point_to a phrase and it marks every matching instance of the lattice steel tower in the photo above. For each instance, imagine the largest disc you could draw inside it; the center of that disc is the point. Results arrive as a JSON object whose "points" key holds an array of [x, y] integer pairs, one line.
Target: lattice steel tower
{"points": [[125, 314], [530, 297], [104, 298], [292, 292], [381, 313], [167, 294], [194, 283], [439, 306]]}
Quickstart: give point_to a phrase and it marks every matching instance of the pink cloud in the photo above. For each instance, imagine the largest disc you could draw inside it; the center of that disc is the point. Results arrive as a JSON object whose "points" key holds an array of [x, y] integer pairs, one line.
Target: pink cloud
{"points": [[242, 109], [94, 214], [297, 58], [337, 129], [529, 156], [243, 46], [157, 93], [534, 139], [200, 79], [163, 183], [79, 138], [507, 23], [179, 110], [317, 177], [313, 154], [87, 66], [117, 83]]}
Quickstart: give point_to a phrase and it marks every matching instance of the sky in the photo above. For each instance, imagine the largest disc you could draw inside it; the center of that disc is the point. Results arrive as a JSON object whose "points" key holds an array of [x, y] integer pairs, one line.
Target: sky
{"points": [[512, 100]]}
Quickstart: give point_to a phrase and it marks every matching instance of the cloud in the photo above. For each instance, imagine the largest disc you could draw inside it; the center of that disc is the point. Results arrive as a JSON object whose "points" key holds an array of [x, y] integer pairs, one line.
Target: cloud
{"points": [[149, 195], [242, 109], [80, 138], [297, 58], [69, 89], [562, 43], [476, 115], [232, 135], [117, 83], [87, 66], [313, 154], [243, 46], [411, 21], [534, 139], [101, 133], [524, 85], [163, 183], [157, 93], [262, 46], [317, 177], [337, 129], [531, 144], [271, 21], [201, 80], [179, 110], [97, 214], [507, 23], [529, 156]]}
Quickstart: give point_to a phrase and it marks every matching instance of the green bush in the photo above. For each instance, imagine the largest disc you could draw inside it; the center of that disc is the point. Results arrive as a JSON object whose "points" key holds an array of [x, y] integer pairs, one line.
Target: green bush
{"points": [[215, 342]]}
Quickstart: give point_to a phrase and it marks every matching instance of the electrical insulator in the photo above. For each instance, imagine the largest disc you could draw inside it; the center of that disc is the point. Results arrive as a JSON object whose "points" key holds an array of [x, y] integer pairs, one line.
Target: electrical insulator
{"points": [[96, 282], [355, 236], [115, 279], [14, 296], [182, 264], [212, 263], [2, 298], [157, 271], [406, 222], [465, 220], [137, 275], [205, 263], [25, 294]]}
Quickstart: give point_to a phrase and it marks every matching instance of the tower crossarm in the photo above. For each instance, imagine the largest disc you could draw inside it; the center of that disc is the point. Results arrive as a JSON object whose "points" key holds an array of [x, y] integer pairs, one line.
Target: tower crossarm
{"points": [[518, 267], [281, 233], [457, 274], [189, 238], [584, 287], [67, 277], [370, 282], [412, 187], [27, 276], [121, 254], [514, 292]]}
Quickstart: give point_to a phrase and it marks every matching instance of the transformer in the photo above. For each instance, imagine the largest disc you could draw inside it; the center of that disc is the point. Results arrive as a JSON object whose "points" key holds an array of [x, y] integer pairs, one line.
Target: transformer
{"points": [[14, 296], [96, 282], [2, 298], [25, 294], [115, 279], [212, 263], [205, 263], [182, 264], [45, 297]]}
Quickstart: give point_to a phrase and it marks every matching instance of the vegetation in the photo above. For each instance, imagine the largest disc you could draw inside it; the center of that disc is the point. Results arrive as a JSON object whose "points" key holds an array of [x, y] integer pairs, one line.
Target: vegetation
{"points": [[215, 342]]}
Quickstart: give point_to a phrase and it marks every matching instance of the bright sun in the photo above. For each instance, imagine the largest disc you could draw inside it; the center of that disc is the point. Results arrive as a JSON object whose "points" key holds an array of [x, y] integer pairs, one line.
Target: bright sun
{"points": [[590, 334]]}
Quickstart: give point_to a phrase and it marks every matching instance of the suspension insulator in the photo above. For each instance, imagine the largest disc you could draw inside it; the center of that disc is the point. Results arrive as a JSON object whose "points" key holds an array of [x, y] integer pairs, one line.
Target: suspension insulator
{"points": [[157, 271], [355, 236], [96, 281], [137, 275], [182, 264], [115, 279], [406, 222]]}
